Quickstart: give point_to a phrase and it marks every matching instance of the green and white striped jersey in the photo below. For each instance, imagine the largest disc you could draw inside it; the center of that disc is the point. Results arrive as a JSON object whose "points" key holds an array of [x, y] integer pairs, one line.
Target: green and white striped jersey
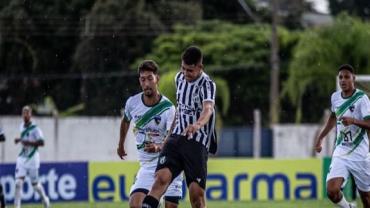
{"points": [[30, 133], [351, 141], [151, 123]]}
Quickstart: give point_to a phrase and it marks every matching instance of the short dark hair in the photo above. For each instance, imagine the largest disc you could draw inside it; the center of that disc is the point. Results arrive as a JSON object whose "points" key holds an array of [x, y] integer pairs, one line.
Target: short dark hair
{"points": [[192, 55], [346, 67], [148, 65]]}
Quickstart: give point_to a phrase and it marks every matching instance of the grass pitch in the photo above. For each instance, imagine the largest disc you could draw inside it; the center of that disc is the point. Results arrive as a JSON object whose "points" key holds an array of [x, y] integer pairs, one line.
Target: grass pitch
{"points": [[211, 204]]}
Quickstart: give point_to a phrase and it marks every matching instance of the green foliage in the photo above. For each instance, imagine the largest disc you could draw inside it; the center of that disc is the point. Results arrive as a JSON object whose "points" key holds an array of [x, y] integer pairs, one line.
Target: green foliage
{"points": [[317, 56], [236, 56]]}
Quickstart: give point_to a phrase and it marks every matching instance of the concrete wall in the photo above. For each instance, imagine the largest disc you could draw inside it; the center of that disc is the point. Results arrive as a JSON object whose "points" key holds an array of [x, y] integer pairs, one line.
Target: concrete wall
{"points": [[296, 141], [96, 139], [70, 139]]}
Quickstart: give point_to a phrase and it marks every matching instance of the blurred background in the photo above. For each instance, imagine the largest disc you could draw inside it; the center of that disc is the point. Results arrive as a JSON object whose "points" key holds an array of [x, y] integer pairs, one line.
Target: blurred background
{"points": [[274, 62]]}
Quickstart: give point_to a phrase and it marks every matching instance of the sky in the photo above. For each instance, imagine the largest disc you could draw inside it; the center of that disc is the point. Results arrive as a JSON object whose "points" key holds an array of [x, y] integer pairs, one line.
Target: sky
{"points": [[321, 5]]}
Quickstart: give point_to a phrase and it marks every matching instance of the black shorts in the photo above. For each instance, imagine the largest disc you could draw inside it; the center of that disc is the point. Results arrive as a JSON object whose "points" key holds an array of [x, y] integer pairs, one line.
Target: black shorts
{"points": [[180, 154]]}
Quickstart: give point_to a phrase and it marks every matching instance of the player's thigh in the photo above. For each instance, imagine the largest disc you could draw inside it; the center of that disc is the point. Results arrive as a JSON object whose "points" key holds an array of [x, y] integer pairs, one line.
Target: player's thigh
{"points": [[337, 175], [365, 197], [144, 179], [170, 158], [20, 171], [195, 163], [361, 173], [33, 173]]}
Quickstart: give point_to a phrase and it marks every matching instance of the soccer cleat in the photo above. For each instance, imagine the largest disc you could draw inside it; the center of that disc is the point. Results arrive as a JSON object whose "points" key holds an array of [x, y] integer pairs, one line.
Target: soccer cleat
{"points": [[46, 202]]}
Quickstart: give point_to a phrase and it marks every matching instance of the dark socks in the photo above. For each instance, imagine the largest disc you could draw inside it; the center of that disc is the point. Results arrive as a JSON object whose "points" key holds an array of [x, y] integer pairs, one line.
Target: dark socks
{"points": [[2, 199], [150, 202]]}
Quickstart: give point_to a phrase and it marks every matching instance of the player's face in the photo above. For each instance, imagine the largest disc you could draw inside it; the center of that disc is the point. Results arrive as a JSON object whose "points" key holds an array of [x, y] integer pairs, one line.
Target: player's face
{"points": [[148, 82], [191, 72], [26, 114], [346, 80]]}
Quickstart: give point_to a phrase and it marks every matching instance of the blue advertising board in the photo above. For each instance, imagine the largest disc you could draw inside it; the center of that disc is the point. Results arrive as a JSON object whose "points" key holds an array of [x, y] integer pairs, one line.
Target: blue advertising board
{"points": [[62, 182]]}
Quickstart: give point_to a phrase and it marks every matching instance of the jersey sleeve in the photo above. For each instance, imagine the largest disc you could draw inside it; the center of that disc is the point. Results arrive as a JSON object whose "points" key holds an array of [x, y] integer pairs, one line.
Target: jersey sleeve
{"points": [[365, 107], [38, 134], [177, 79], [208, 91], [331, 103], [127, 111], [170, 117]]}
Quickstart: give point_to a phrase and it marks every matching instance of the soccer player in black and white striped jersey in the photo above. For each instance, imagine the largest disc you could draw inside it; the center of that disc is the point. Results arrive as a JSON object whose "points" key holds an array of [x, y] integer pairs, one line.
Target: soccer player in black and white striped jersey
{"points": [[193, 134]]}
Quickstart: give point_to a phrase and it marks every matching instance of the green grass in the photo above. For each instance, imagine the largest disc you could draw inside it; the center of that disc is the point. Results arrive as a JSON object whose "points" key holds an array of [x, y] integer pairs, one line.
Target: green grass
{"points": [[213, 204]]}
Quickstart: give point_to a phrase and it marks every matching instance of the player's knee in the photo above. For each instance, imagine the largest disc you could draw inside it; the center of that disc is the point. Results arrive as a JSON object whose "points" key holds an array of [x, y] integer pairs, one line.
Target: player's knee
{"points": [[197, 202], [18, 183], [134, 204], [162, 179], [333, 192], [196, 197], [171, 205]]}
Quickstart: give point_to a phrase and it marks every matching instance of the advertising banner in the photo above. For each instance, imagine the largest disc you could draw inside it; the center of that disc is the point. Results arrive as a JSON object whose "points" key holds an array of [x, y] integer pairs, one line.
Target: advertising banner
{"points": [[228, 179], [265, 179], [62, 182], [111, 181]]}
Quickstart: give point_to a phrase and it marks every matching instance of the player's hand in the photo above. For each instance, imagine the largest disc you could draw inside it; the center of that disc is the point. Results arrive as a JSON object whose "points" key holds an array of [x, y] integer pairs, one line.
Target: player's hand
{"points": [[17, 140], [152, 148], [318, 146], [346, 121], [121, 152], [191, 130]]}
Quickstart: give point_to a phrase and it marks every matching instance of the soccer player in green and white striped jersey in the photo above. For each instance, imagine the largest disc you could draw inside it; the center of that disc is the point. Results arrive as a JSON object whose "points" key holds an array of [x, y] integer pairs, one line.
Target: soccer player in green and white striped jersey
{"points": [[28, 161], [351, 115]]}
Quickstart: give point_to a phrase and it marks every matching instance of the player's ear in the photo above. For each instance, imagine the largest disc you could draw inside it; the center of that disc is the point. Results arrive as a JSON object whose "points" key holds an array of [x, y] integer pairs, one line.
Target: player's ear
{"points": [[353, 77], [157, 76], [201, 66]]}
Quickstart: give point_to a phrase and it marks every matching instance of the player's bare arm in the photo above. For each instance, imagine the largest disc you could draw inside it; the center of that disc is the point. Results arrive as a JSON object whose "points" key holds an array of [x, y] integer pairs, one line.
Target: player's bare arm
{"points": [[330, 123], [365, 124], [38, 143], [205, 115], [122, 137], [17, 140], [152, 147]]}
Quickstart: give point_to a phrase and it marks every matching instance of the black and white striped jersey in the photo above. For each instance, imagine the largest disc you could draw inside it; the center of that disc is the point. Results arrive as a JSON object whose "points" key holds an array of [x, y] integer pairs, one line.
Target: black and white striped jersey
{"points": [[190, 97]]}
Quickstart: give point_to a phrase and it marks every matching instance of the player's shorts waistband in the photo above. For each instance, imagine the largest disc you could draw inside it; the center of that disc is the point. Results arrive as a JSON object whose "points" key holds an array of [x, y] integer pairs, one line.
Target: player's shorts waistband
{"points": [[178, 136]]}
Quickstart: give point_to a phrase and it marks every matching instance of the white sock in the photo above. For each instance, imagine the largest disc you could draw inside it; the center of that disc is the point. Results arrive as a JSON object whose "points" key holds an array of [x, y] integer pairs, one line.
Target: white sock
{"points": [[18, 192], [343, 203], [40, 190]]}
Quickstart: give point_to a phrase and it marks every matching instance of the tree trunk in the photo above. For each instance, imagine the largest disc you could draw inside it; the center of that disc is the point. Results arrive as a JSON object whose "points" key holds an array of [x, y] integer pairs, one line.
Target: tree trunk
{"points": [[274, 61]]}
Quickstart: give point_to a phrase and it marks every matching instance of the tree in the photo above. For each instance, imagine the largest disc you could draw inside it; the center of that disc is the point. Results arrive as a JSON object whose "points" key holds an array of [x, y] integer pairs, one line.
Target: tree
{"points": [[115, 34], [238, 54], [316, 57], [37, 38]]}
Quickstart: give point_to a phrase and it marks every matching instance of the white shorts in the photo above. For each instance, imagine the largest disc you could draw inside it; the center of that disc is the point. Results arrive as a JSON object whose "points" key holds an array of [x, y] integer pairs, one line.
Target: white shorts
{"points": [[22, 171], [341, 168], [145, 178]]}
